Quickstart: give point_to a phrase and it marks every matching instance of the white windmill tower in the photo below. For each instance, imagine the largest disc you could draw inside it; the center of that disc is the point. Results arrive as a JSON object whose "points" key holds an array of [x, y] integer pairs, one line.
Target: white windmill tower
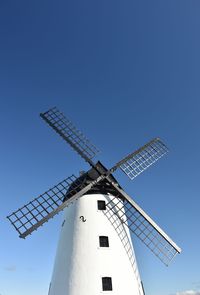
{"points": [[95, 254]]}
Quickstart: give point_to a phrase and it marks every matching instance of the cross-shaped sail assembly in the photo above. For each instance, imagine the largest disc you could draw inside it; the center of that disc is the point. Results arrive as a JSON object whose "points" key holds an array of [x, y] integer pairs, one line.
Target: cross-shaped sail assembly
{"points": [[35, 213]]}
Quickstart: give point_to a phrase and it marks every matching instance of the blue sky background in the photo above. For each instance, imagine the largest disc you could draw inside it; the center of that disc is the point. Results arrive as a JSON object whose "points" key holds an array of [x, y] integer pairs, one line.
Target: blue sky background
{"points": [[123, 72]]}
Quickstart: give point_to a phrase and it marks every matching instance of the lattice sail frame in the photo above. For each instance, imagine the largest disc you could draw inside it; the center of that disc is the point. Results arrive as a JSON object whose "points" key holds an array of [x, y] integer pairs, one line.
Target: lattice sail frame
{"points": [[70, 133], [140, 160], [144, 228], [35, 213]]}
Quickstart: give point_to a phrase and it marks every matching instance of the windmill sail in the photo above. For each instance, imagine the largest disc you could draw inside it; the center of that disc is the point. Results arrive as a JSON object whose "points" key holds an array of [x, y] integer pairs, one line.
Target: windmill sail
{"points": [[34, 214], [138, 161], [39, 210], [143, 227], [70, 134]]}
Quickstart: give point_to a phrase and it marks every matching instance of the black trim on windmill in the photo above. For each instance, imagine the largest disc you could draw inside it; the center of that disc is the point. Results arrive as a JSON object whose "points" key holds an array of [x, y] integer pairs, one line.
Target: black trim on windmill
{"points": [[98, 179]]}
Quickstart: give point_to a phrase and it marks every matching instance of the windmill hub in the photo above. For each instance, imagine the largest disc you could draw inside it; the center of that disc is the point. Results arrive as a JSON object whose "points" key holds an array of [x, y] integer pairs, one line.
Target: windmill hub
{"points": [[103, 187]]}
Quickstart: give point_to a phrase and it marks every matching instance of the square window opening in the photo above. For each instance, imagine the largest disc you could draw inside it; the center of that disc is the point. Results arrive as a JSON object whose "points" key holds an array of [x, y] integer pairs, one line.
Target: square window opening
{"points": [[103, 241], [107, 284], [101, 205]]}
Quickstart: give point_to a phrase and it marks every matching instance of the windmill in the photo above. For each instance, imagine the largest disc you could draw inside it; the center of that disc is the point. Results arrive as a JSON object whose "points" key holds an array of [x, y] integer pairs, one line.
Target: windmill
{"points": [[95, 253]]}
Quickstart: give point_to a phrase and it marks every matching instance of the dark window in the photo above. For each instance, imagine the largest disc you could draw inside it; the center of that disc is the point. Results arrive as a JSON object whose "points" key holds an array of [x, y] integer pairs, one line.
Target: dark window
{"points": [[107, 284], [103, 241], [101, 205]]}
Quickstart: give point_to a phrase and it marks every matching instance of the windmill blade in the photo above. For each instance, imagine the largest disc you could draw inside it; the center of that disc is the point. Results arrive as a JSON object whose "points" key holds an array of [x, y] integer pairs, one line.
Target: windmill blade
{"points": [[143, 227], [70, 134], [138, 161], [34, 214]]}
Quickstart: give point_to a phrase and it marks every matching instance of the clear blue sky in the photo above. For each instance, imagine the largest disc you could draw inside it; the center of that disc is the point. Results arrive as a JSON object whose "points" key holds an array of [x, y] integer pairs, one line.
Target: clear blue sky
{"points": [[124, 72]]}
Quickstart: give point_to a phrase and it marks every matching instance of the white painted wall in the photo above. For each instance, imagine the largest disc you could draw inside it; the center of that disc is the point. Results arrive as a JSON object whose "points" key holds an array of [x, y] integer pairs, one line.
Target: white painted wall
{"points": [[80, 263]]}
